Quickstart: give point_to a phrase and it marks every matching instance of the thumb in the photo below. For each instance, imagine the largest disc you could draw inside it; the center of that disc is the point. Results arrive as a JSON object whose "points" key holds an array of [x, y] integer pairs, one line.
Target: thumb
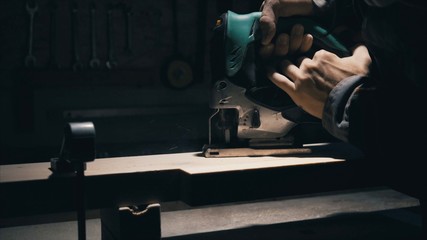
{"points": [[267, 25]]}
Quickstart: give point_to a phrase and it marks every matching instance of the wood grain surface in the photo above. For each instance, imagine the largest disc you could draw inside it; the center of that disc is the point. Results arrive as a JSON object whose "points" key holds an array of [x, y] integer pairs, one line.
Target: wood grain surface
{"points": [[189, 177]]}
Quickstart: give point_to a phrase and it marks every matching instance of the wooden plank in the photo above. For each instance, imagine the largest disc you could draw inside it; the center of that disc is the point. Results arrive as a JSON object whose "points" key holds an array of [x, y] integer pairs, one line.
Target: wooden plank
{"points": [[190, 162], [189, 177]]}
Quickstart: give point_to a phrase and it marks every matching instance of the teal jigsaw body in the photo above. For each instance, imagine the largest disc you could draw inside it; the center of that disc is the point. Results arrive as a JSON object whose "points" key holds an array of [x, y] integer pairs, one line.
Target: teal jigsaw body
{"points": [[242, 30]]}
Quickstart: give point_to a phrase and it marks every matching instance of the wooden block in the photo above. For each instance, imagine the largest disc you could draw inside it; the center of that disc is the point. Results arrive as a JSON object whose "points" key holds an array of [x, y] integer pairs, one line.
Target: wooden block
{"points": [[131, 223]]}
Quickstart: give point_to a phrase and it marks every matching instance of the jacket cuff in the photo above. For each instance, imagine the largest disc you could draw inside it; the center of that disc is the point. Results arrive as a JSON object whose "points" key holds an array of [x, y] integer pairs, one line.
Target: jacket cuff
{"points": [[335, 115]]}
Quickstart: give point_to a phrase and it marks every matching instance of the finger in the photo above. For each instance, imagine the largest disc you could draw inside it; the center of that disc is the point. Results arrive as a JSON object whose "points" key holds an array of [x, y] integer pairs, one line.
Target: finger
{"points": [[282, 45], [299, 61], [262, 6], [296, 37], [307, 42], [281, 81], [291, 70], [307, 66], [360, 51], [267, 24], [266, 51]]}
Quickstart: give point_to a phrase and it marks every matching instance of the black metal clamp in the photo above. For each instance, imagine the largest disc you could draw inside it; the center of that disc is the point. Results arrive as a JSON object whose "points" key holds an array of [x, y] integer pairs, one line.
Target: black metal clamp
{"points": [[78, 147]]}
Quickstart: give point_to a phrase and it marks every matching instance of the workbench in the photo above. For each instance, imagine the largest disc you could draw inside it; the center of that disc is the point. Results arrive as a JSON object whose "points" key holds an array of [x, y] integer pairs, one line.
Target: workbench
{"points": [[31, 189]]}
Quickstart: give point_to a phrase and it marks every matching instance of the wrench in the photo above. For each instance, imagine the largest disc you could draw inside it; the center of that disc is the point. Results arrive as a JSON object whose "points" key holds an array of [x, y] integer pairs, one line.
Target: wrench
{"points": [[30, 59], [77, 64], [53, 63], [128, 22], [94, 61], [111, 62]]}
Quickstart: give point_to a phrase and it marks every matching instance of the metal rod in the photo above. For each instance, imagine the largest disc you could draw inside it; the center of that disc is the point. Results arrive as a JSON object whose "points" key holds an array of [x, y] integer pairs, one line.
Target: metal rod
{"points": [[80, 202], [210, 125]]}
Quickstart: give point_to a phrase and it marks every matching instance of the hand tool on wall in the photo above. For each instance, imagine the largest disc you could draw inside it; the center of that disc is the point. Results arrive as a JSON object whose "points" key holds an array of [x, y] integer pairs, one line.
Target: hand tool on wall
{"points": [[200, 55], [75, 38], [94, 61], [31, 8], [111, 61], [250, 111], [128, 14], [53, 61], [177, 72]]}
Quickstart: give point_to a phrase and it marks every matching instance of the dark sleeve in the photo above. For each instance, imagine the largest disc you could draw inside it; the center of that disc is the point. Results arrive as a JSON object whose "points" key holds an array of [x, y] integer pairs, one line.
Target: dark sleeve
{"points": [[341, 18], [379, 3], [350, 111], [321, 6], [335, 117]]}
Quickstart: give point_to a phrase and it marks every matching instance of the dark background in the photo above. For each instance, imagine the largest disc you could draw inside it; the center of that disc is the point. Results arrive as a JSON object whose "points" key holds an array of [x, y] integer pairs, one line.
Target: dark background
{"points": [[133, 109]]}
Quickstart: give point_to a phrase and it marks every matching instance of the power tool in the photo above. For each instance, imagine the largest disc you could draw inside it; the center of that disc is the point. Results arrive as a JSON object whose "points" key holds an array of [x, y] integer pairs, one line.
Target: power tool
{"points": [[252, 116]]}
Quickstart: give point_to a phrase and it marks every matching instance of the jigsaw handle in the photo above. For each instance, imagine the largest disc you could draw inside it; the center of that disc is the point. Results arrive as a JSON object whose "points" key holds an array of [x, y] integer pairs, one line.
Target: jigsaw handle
{"points": [[241, 30], [322, 39]]}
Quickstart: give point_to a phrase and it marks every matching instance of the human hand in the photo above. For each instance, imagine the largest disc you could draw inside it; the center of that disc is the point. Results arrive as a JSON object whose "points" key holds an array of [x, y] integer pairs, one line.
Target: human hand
{"points": [[310, 83], [271, 10], [294, 42], [285, 43]]}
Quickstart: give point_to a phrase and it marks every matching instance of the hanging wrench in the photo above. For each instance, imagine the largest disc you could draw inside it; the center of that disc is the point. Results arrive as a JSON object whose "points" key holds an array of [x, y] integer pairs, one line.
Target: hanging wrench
{"points": [[94, 61], [111, 62], [128, 21], [77, 64], [30, 59], [53, 62]]}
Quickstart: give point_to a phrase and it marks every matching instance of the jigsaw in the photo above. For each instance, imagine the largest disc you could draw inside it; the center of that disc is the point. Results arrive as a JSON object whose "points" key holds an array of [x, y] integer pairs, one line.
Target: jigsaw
{"points": [[251, 116]]}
